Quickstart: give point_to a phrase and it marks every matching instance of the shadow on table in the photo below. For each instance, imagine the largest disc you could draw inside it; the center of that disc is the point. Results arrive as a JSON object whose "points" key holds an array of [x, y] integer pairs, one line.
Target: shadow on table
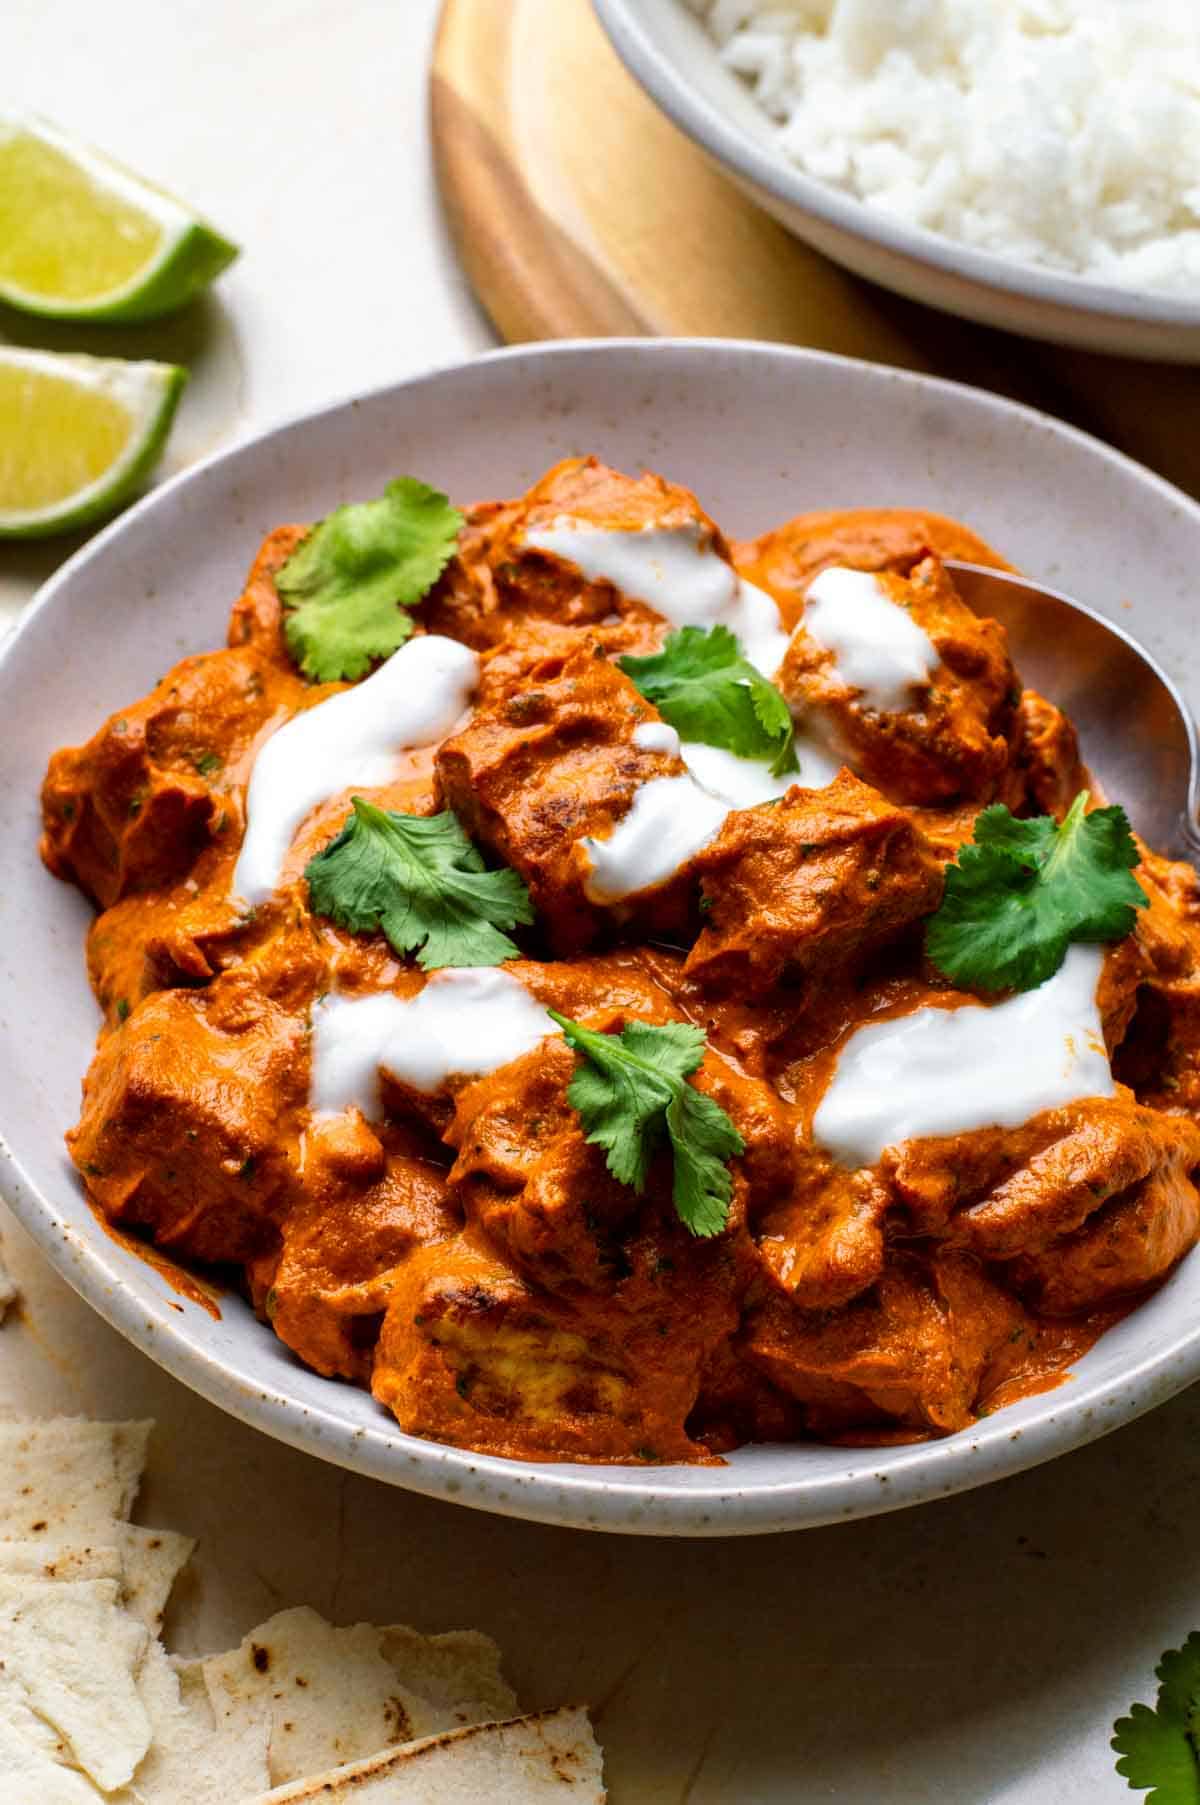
{"points": [[928, 1655], [970, 1652]]}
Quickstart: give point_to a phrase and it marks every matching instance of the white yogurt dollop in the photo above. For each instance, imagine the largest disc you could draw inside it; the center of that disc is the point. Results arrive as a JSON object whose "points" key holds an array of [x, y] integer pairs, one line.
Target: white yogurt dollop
{"points": [[466, 1022], [673, 818], [352, 740], [656, 736], [741, 782], [878, 647], [677, 572], [951, 1071], [670, 820]]}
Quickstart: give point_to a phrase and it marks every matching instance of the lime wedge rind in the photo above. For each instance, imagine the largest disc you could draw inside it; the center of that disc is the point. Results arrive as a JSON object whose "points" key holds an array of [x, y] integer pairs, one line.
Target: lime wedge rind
{"points": [[190, 255], [148, 392]]}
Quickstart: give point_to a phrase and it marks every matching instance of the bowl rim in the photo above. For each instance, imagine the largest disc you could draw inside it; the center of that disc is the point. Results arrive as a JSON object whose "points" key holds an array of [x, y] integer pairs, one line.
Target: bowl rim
{"points": [[708, 127], [718, 1501]]}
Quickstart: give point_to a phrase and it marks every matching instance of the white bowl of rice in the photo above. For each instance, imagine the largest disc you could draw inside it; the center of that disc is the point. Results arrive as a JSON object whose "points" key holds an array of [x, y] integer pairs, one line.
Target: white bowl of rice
{"points": [[1033, 164]]}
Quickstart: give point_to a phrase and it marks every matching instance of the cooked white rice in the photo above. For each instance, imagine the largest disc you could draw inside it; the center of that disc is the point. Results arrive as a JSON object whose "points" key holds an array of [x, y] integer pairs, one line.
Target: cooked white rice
{"points": [[1059, 132]]}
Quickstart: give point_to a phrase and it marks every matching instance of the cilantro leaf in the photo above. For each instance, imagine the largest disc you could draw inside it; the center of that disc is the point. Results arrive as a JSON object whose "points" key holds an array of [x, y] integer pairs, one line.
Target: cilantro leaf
{"points": [[707, 691], [1024, 890], [346, 587], [1157, 1748], [631, 1089], [420, 880]]}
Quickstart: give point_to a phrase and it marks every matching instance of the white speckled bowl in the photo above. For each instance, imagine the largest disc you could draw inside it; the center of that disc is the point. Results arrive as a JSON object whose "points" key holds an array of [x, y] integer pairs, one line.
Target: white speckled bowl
{"points": [[666, 50], [760, 432]]}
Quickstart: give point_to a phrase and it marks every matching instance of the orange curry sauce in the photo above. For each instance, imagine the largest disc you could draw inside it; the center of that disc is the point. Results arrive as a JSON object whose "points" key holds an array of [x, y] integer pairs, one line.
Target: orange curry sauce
{"points": [[469, 1257]]}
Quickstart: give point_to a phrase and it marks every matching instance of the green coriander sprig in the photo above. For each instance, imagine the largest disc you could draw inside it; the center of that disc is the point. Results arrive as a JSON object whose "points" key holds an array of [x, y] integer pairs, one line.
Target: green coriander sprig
{"points": [[419, 880], [702, 685], [631, 1092], [1023, 891], [347, 587]]}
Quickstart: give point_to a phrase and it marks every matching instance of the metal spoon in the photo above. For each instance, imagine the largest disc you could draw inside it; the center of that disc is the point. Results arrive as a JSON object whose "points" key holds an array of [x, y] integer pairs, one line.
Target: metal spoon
{"points": [[1136, 733]]}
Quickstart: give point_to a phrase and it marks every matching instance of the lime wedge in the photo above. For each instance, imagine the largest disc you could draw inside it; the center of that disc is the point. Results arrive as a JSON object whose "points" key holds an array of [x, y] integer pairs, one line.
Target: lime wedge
{"points": [[77, 435], [82, 239]]}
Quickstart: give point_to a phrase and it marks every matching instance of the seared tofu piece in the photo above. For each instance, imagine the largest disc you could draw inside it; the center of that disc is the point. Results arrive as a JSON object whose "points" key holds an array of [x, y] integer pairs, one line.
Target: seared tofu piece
{"points": [[535, 776], [536, 651], [135, 807], [367, 1201], [472, 1355], [786, 559], [1043, 1181], [543, 1326], [823, 1243], [528, 615], [589, 491], [957, 737], [528, 1177], [466, 602], [501, 587], [188, 935], [1130, 1241], [807, 887], [492, 596], [191, 1111], [1078, 1206], [915, 1349]]}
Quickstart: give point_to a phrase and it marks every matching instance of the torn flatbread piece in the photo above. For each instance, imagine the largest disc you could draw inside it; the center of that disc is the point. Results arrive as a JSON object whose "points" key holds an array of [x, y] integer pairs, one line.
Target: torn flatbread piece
{"points": [[73, 1656], [91, 1708], [151, 1561], [143, 1563], [19, 1590], [68, 1476], [514, 1763], [55, 1560], [191, 1759], [333, 1695], [94, 1712], [188, 1758], [33, 1756]]}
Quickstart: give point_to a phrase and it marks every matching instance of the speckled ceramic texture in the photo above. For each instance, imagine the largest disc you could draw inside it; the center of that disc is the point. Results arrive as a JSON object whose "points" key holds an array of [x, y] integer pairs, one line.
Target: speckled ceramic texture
{"points": [[760, 433], [665, 49]]}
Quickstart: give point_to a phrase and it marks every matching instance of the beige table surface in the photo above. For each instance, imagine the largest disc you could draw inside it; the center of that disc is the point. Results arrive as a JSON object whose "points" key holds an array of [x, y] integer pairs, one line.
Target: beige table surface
{"points": [[976, 1650]]}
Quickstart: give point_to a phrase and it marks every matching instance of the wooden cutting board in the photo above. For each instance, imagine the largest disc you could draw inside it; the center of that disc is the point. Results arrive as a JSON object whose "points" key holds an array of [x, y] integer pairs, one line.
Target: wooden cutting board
{"points": [[580, 211]]}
